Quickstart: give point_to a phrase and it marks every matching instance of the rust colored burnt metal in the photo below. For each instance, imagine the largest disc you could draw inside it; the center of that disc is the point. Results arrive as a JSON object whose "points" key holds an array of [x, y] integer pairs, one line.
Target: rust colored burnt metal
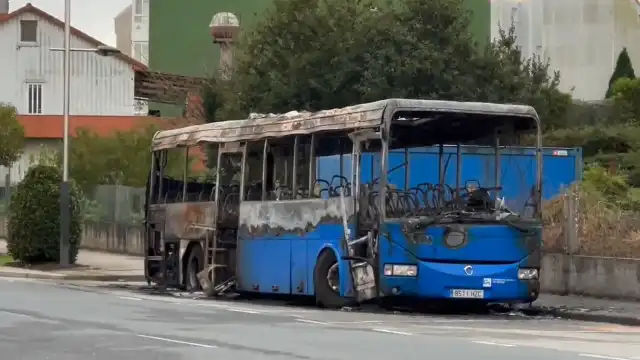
{"points": [[272, 219], [165, 87], [356, 117], [299, 123], [181, 217]]}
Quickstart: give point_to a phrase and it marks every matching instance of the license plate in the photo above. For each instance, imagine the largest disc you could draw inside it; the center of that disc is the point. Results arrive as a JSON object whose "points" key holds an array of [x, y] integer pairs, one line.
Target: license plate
{"points": [[467, 294]]}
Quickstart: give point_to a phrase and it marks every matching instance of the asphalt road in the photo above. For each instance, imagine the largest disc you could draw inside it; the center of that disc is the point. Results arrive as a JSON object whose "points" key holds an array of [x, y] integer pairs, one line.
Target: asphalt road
{"points": [[44, 321]]}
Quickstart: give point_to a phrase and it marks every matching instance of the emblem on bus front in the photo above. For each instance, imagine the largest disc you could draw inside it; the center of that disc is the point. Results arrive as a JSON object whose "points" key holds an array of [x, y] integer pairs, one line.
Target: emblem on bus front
{"points": [[468, 270]]}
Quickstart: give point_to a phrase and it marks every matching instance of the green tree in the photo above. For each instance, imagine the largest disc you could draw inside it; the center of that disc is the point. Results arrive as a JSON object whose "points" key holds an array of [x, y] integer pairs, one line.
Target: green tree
{"points": [[626, 98], [312, 54], [623, 69], [11, 135], [122, 158], [34, 217]]}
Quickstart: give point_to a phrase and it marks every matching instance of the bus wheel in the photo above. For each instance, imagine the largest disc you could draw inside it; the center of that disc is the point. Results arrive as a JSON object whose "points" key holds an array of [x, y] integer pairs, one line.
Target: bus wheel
{"points": [[195, 263], [327, 281]]}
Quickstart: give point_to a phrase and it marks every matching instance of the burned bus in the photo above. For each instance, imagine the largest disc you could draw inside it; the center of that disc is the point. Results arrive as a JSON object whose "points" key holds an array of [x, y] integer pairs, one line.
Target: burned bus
{"points": [[279, 218]]}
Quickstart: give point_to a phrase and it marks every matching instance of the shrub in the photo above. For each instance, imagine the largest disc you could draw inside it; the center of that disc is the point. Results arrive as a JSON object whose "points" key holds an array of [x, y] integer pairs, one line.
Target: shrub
{"points": [[606, 216], [34, 217]]}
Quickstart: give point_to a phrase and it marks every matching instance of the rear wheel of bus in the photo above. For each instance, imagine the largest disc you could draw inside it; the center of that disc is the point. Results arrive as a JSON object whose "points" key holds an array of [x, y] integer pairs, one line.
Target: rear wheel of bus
{"points": [[194, 264], [327, 281]]}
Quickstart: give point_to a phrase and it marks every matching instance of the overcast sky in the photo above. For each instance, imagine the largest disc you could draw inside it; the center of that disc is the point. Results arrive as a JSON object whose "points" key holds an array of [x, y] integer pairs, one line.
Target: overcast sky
{"points": [[95, 17]]}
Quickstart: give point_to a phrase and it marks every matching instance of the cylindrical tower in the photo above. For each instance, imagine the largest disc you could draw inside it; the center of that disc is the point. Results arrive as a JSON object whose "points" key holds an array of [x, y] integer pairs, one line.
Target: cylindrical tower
{"points": [[224, 30]]}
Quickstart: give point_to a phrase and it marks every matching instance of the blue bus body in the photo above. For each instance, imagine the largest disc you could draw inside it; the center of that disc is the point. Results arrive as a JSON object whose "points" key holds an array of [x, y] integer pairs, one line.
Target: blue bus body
{"points": [[488, 259]]}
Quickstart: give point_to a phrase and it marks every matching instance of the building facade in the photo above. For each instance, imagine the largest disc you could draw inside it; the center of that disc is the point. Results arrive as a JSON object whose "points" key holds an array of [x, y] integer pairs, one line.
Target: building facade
{"points": [[140, 31], [32, 73], [122, 27], [101, 88], [131, 26], [581, 38]]}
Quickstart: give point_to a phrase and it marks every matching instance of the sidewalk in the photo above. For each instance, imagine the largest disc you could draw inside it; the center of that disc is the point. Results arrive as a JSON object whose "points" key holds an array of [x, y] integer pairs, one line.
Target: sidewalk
{"points": [[91, 265], [590, 309]]}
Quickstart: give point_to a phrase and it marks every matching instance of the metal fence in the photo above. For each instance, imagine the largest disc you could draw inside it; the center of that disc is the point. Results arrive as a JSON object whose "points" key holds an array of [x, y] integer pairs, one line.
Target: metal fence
{"points": [[106, 204], [578, 223], [113, 204]]}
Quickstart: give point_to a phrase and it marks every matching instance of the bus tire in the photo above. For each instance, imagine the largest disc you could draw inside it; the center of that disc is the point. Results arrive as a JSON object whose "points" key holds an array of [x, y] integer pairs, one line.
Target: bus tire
{"points": [[325, 296], [194, 264]]}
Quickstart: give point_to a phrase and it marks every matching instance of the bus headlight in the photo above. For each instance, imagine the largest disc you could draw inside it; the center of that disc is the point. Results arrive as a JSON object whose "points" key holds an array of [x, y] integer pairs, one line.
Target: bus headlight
{"points": [[527, 274], [400, 270]]}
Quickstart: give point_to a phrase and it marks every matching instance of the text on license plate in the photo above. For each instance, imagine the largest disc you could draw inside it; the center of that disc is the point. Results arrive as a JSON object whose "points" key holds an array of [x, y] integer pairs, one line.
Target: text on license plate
{"points": [[467, 294]]}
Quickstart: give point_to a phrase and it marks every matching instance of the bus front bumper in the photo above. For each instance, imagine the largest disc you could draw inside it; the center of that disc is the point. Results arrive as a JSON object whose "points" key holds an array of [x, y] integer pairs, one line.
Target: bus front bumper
{"points": [[480, 282]]}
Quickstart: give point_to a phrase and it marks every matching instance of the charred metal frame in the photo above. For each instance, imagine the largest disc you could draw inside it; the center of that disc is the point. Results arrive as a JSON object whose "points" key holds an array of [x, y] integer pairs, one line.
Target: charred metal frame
{"points": [[350, 119], [498, 169], [265, 150], [386, 138]]}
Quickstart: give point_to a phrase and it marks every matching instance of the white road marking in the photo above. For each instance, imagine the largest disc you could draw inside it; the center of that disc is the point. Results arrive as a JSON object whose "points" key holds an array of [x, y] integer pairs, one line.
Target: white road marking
{"points": [[362, 322], [389, 331], [602, 357], [177, 341], [246, 311], [129, 298], [17, 315], [309, 321], [492, 343]]}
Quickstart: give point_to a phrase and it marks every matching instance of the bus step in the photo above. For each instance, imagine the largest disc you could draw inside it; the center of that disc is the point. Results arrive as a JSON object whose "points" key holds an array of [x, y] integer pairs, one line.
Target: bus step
{"points": [[205, 276]]}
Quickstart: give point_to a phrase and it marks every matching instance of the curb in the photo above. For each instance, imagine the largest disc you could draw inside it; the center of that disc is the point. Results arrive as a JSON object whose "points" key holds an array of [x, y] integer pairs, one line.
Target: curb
{"points": [[601, 318], [74, 277]]}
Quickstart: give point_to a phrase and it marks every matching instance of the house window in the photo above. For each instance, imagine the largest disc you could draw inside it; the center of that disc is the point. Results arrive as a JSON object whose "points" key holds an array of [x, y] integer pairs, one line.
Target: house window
{"points": [[28, 31], [34, 95], [141, 7], [141, 51]]}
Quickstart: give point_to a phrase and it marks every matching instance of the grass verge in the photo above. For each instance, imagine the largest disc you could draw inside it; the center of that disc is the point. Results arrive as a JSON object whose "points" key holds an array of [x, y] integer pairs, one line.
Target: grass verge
{"points": [[5, 259]]}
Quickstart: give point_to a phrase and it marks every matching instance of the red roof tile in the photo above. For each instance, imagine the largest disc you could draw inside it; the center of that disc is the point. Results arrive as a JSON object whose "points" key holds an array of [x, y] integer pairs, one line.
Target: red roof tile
{"points": [[34, 10]]}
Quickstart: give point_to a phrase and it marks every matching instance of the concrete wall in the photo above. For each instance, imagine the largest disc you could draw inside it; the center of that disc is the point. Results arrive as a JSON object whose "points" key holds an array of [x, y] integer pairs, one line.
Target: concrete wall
{"points": [[591, 275], [120, 239]]}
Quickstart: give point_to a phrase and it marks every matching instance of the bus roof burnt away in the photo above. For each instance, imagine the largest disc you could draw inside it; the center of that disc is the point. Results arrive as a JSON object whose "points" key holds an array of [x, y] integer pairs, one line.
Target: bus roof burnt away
{"points": [[353, 118], [410, 129]]}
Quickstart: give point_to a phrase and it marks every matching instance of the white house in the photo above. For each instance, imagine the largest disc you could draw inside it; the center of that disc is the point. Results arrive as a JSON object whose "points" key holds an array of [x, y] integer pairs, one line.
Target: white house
{"points": [[582, 38], [31, 78], [32, 74]]}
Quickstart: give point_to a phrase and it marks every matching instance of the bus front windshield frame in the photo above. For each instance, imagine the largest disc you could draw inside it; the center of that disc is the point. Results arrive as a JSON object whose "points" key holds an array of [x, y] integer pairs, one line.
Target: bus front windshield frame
{"points": [[470, 199]]}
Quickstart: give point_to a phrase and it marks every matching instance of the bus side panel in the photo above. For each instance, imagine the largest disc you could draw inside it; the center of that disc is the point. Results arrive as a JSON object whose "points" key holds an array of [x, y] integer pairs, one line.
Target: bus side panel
{"points": [[263, 265], [279, 241]]}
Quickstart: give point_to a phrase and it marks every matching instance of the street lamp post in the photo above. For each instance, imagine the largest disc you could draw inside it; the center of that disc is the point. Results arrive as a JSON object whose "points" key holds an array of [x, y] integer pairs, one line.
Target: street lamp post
{"points": [[65, 200]]}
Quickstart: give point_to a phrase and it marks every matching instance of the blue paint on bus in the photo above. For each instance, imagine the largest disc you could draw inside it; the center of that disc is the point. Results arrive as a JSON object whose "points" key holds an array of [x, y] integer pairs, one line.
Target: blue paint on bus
{"points": [[285, 263]]}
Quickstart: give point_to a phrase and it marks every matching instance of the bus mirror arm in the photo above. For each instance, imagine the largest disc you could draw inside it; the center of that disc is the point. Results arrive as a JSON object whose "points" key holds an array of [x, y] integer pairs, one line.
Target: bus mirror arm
{"points": [[359, 258]]}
